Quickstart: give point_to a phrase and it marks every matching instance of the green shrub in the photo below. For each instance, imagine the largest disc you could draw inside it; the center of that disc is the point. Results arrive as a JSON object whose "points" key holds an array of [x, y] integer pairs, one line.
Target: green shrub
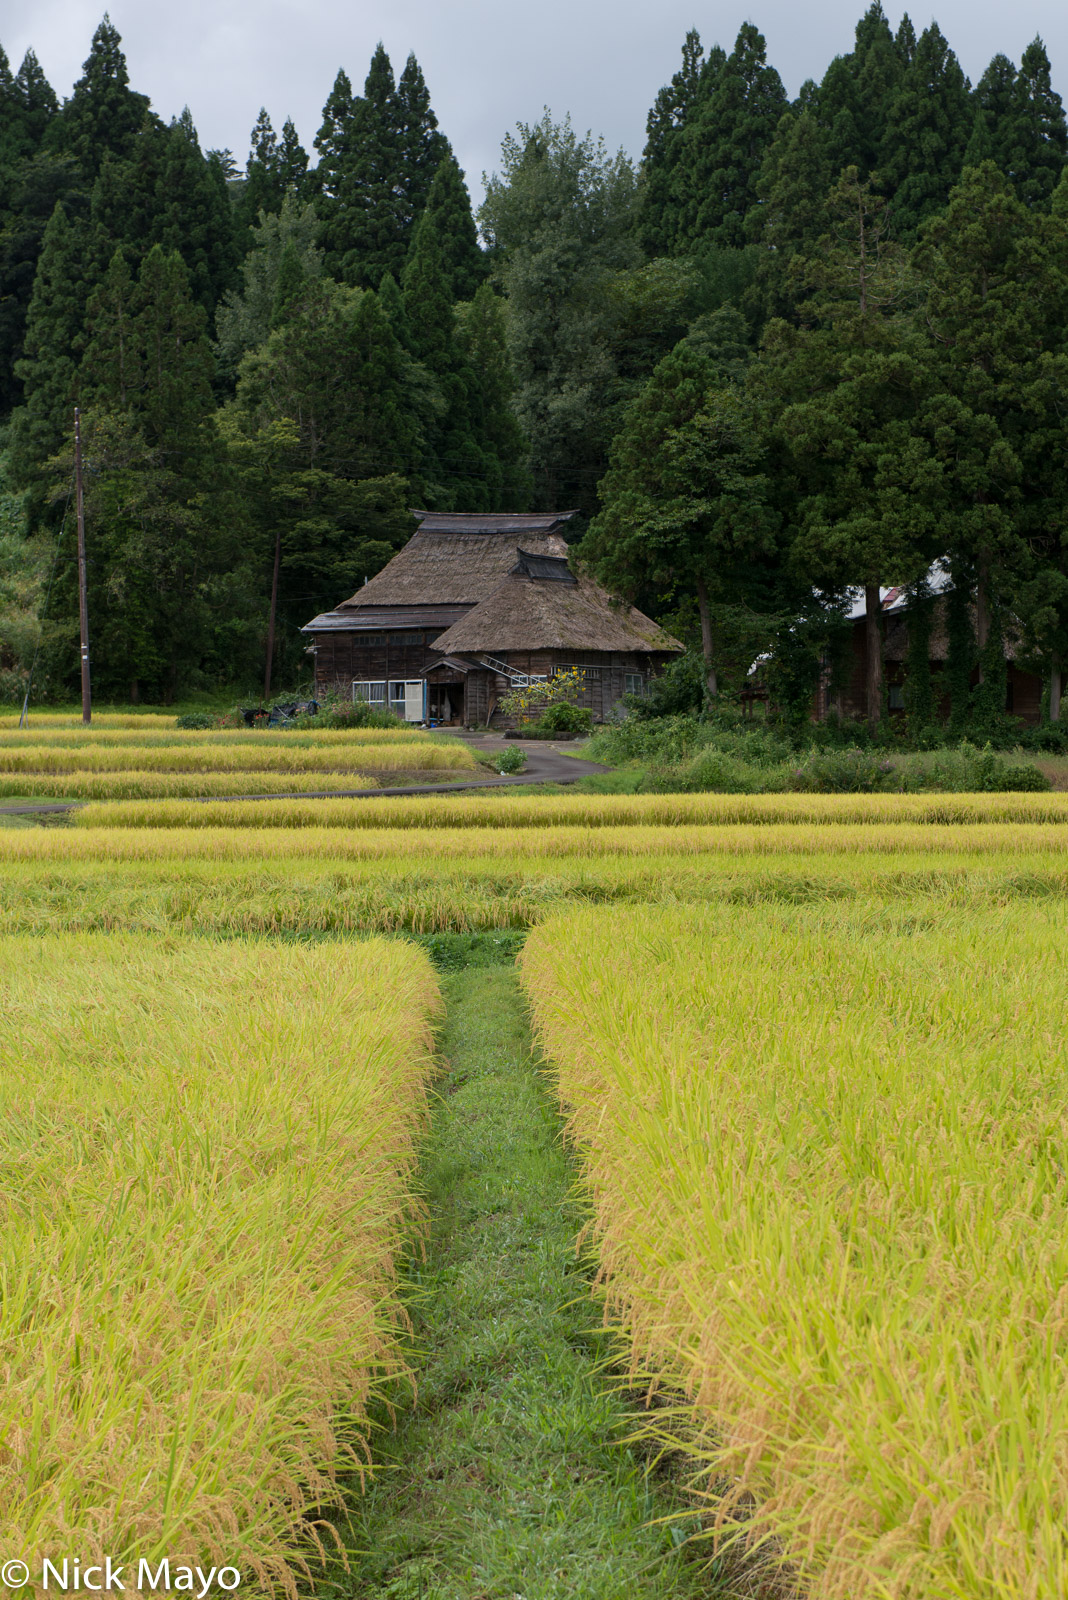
{"points": [[842, 772], [710, 771], [197, 719], [562, 718], [1049, 736], [1019, 776], [510, 760]]}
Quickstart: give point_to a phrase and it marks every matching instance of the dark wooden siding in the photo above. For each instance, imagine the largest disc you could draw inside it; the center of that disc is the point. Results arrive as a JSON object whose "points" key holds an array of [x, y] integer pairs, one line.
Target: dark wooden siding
{"points": [[342, 657], [1024, 699], [605, 683]]}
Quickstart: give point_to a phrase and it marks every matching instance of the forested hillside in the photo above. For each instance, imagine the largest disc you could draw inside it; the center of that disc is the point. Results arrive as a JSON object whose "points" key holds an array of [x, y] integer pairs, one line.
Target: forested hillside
{"points": [[798, 348]]}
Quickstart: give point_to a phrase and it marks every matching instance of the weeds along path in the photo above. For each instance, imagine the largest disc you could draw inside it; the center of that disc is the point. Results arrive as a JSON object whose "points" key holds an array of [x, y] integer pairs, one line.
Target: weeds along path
{"points": [[507, 1479]]}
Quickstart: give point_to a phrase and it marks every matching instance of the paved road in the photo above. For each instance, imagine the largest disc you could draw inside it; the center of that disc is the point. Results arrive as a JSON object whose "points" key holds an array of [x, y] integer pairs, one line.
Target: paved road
{"points": [[545, 764]]}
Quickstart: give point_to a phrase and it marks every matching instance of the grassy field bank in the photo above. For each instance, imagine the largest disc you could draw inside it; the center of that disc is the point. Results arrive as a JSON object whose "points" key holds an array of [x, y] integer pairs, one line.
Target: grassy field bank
{"points": [[826, 1148], [508, 1472], [205, 1165]]}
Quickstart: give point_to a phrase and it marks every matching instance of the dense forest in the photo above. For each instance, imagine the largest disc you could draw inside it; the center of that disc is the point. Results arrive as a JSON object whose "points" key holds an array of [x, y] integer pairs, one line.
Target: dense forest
{"points": [[800, 348]]}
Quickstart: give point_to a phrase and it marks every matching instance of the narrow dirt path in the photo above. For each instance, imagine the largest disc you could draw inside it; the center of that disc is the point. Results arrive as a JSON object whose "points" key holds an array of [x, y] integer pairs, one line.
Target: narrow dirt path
{"points": [[508, 1478]]}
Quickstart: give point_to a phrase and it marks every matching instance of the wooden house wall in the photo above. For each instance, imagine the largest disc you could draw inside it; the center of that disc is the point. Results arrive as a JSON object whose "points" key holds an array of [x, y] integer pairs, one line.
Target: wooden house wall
{"points": [[343, 657], [605, 682], [1023, 699]]}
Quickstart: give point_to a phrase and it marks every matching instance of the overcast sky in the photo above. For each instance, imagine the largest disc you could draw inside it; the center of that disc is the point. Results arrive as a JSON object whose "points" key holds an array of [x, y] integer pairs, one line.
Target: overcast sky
{"points": [[487, 65]]}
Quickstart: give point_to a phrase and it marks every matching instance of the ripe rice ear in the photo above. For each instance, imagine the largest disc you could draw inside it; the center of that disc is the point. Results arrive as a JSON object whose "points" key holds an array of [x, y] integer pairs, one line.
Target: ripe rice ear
{"points": [[801, 813], [253, 757], [205, 1162], [825, 1151], [177, 785]]}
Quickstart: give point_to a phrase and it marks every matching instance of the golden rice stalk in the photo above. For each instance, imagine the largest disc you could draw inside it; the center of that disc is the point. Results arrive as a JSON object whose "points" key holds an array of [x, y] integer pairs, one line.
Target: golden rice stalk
{"points": [[205, 1156], [826, 1154], [252, 757], [186, 738], [273, 881], [177, 785], [829, 849], [502, 810]]}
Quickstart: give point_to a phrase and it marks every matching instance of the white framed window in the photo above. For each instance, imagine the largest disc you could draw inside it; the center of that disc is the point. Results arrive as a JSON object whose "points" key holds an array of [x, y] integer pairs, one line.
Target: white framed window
{"points": [[406, 699], [373, 693], [633, 683]]}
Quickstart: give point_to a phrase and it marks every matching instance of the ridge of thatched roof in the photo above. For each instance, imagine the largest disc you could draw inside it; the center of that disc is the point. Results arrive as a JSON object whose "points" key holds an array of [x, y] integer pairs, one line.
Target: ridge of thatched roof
{"points": [[511, 522], [457, 559], [525, 612]]}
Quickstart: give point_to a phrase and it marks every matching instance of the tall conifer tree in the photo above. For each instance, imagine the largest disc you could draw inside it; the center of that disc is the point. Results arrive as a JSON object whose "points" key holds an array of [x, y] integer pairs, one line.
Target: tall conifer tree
{"points": [[66, 273], [103, 115], [723, 146], [449, 206], [422, 146], [379, 152], [1039, 115], [504, 483], [927, 131], [673, 108]]}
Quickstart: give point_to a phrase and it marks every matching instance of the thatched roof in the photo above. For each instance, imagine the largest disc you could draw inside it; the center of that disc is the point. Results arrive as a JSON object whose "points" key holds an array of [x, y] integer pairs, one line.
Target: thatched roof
{"points": [[541, 605], [457, 559]]}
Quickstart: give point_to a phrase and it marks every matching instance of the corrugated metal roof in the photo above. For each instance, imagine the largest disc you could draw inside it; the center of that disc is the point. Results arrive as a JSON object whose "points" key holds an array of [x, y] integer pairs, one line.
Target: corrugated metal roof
{"points": [[384, 619]]}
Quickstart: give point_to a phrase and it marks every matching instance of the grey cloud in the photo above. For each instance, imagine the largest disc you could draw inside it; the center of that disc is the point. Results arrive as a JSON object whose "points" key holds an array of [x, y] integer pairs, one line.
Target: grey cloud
{"points": [[487, 66]]}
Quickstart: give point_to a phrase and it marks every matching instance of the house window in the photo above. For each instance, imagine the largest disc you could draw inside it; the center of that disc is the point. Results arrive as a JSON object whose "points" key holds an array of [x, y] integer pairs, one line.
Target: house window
{"points": [[406, 699], [374, 693], [633, 683], [895, 697]]}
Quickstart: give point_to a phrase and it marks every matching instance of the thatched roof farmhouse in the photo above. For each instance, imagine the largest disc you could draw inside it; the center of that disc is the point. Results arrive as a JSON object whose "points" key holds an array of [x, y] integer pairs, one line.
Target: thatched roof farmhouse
{"points": [[474, 606]]}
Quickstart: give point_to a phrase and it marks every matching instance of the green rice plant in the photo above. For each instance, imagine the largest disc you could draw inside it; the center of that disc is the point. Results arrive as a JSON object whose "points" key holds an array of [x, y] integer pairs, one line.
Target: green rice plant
{"points": [[256, 756], [825, 1150], [598, 811], [232, 882], [176, 785], [205, 1157], [844, 845]]}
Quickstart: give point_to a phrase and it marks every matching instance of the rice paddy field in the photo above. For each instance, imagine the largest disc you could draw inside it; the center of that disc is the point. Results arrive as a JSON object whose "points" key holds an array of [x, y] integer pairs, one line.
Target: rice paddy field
{"points": [[205, 1161], [806, 1051], [149, 758], [827, 1154]]}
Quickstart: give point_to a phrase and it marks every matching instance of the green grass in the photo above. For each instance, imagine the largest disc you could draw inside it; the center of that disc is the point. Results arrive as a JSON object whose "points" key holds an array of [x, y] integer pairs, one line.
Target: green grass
{"points": [[509, 1475], [50, 819]]}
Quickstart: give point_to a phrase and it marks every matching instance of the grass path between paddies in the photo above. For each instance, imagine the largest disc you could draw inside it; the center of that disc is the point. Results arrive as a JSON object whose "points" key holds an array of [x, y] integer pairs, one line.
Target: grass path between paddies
{"points": [[509, 1477]]}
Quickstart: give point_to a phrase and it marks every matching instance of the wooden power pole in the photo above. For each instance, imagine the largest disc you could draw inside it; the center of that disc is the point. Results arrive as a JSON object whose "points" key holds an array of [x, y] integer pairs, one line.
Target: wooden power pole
{"points": [[83, 593]]}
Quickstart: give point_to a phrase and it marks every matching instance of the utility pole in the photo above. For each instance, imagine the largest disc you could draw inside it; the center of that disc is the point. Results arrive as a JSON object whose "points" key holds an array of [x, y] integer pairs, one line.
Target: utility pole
{"points": [[274, 611], [83, 594]]}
